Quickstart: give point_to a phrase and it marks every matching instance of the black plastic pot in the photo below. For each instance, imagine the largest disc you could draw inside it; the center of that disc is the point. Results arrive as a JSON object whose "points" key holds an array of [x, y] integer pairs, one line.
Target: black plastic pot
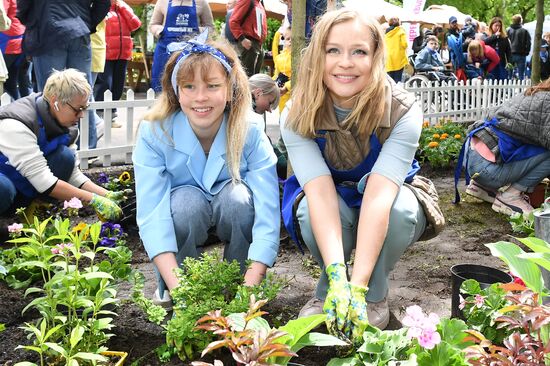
{"points": [[486, 276]]}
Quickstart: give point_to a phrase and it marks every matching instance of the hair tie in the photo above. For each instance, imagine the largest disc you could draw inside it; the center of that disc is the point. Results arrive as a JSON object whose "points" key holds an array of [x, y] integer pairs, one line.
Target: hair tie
{"points": [[194, 46]]}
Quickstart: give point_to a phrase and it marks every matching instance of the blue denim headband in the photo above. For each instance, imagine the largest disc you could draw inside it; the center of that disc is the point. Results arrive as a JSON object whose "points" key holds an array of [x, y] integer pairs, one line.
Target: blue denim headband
{"points": [[194, 46]]}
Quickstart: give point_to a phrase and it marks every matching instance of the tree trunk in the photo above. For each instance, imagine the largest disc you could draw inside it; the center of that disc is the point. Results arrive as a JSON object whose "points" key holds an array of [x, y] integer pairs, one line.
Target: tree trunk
{"points": [[535, 60], [298, 34]]}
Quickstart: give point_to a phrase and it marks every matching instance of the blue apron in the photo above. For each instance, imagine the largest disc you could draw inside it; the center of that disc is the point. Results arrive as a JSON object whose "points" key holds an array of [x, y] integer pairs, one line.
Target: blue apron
{"points": [[180, 20], [21, 183], [511, 150], [344, 180]]}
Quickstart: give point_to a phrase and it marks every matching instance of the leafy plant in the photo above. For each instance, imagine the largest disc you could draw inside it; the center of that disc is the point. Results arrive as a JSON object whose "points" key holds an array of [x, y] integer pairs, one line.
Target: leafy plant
{"points": [[123, 181], [529, 342], [155, 313], [522, 264], [208, 283], [523, 224], [481, 308], [425, 340], [252, 341], [440, 144]]}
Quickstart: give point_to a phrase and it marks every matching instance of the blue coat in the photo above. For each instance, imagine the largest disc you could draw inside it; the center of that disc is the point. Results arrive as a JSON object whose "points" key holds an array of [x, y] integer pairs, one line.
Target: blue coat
{"points": [[168, 155], [426, 60]]}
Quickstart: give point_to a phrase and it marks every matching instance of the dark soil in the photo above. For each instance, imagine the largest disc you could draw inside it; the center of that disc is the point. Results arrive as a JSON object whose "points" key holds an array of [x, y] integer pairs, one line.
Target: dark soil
{"points": [[421, 277]]}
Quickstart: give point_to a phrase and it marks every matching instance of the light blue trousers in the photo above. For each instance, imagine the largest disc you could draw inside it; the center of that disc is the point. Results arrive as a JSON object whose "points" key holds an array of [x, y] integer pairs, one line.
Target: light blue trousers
{"points": [[230, 212], [406, 225]]}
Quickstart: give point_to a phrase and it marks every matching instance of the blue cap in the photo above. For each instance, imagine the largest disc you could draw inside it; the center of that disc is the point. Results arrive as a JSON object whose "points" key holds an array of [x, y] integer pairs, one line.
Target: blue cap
{"points": [[453, 19]]}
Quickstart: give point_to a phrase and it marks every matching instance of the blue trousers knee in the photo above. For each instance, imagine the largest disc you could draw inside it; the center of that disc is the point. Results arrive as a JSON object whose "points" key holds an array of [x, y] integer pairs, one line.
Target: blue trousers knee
{"points": [[61, 163], [230, 213], [406, 225]]}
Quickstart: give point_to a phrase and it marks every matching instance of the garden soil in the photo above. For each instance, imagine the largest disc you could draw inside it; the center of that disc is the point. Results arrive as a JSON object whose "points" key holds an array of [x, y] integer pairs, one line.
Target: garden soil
{"points": [[421, 277]]}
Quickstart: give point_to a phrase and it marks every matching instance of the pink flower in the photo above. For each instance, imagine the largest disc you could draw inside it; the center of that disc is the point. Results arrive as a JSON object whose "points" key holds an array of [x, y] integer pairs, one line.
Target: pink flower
{"points": [[15, 228], [479, 301], [61, 248], [462, 302], [72, 203], [429, 339]]}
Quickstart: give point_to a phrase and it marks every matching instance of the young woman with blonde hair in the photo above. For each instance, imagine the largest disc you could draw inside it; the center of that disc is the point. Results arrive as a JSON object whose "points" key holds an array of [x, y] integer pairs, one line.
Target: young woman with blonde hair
{"points": [[199, 165], [351, 135], [499, 41]]}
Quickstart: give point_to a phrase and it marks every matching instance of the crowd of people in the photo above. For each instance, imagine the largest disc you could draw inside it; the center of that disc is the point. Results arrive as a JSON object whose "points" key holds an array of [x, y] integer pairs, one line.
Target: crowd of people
{"points": [[203, 162]]}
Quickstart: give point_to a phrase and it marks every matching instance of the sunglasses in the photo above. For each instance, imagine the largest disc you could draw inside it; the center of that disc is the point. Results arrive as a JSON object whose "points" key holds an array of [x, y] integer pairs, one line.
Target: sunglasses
{"points": [[79, 109]]}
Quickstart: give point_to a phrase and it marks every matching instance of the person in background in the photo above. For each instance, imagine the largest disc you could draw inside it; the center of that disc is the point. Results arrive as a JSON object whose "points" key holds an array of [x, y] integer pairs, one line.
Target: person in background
{"points": [[420, 41], [248, 24], [199, 165], [480, 60], [97, 41], [121, 22], [429, 60], [499, 41], [283, 69], [351, 135], [10, 45], [469, 30], [174, 21], [507, 153], [265, 97], [36, 157], [546, 38], [455, 43], [520, 40], [396, 43], [226, 30], [544, 61], [57, 36]]}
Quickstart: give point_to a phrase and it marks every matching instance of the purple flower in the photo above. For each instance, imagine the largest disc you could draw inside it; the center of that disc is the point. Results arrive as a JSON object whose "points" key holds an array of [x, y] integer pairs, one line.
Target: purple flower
{"points": [[15, 228], [479, 301], [107, 242], [110, 229], [72, 203], [103, 178]]}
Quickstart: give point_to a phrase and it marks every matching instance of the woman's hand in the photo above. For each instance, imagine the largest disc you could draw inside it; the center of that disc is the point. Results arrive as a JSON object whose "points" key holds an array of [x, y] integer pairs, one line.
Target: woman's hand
{"points": [[255, 274], [357, 313], [338, 299]]}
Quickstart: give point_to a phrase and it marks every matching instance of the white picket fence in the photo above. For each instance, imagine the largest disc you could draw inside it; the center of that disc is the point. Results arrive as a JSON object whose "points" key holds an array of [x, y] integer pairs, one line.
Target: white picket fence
{"points": [[465, 102], [459, 102]]}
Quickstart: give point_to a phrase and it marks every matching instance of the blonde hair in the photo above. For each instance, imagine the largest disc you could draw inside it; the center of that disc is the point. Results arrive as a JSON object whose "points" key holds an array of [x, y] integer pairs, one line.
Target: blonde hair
{"points": [[544, 86], [65, 85], [239, 98], [476, 48], [309, 95], [267, 85], [502, 30]]}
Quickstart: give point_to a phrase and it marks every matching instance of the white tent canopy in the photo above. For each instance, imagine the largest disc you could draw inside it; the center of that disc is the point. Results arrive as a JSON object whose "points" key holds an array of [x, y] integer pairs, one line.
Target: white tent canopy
{"points": [[440, 14], [381, 10], [531, 28]]}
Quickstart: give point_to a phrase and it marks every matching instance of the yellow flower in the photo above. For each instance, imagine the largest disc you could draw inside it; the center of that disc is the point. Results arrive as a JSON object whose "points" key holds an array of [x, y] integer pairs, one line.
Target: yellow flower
{"points": [[438, 125], [436, 136], [444, 136], [426, 124], [82, 226], [433, 144], [125, 177], [458, 136]]}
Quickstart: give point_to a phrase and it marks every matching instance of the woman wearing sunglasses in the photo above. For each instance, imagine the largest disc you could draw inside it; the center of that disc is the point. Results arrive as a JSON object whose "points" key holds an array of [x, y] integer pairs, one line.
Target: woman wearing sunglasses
{"points": [[36, 158]]}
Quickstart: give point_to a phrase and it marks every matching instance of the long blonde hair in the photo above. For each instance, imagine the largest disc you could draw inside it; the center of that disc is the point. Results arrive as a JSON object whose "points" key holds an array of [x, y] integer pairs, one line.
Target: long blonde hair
{"points": [[309, 95], [239, 99]]}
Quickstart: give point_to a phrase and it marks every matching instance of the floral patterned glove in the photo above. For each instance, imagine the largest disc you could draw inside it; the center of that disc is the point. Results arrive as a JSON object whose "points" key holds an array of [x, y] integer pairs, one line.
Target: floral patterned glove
{"points": [[338, 298], [106, 209], [118, 196], [357, 314]]}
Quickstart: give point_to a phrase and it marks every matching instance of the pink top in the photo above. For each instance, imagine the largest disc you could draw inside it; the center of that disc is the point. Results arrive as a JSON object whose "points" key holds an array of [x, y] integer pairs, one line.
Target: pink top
{"points": [[483, 150]]}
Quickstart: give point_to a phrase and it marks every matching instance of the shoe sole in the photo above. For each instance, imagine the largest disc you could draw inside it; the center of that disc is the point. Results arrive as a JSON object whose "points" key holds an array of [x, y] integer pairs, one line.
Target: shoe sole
{"points": [[500, 207], [480, 194]]}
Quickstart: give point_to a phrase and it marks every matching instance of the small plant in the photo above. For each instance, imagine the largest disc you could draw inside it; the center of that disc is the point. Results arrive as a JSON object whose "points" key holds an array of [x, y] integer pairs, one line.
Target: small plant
{"points": [[155, 313], [208, 283], [523, 224], [529, 341], [252, 341], [120, 183], [440, 144]]}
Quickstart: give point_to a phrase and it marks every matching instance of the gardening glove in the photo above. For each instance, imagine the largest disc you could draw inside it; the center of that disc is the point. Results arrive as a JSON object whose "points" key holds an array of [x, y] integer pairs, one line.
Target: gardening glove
{"points": [[118, 196], [106, 209], [338, 298], [357, 314]]}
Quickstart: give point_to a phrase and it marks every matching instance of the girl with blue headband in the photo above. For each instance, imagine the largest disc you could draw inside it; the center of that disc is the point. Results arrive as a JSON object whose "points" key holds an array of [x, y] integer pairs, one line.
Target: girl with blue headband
{"points": [[200, 165]]}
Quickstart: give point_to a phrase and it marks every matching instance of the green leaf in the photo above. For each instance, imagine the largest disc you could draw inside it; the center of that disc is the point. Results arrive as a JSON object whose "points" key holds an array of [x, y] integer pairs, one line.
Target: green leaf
{"points": [[92, 275], [319, 340], [452, 331], [535, 244], [542, 259], [90, 356], [257, 323], [527, 271], [25, 363], [470, 287], [350, 361], [57, 348], [297, 328], [76, 336]]}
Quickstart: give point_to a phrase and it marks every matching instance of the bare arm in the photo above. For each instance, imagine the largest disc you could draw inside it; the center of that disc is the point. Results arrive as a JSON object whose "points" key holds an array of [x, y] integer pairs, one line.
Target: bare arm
{"points": [[157, 19], [166, 264], [64, 191], [325, 218], [380, 192]]}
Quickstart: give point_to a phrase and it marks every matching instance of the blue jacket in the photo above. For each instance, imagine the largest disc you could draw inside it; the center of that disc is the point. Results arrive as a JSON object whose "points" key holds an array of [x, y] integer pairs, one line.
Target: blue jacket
{"points": [[173, 157], [426, 60], [49, 23]]}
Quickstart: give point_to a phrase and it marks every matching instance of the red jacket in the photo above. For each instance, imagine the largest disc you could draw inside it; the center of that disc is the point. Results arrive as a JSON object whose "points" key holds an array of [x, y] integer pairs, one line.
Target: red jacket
{"points": [[121, 21], [12, 46], [249, 28]]}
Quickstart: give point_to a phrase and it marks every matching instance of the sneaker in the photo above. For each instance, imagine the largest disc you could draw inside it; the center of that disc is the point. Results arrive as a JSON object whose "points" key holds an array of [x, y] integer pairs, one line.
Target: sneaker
{"points": [[165, 301], [379, 313], [512, 201], [115, 123], [476, 190], [313, 307]]}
